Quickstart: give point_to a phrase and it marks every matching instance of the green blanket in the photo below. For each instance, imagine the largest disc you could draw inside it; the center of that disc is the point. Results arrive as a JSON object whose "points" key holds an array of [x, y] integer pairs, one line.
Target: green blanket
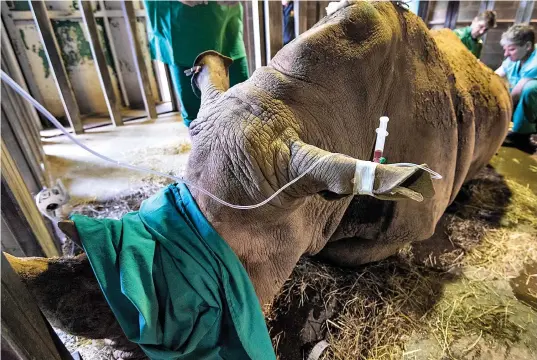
{"points": [[175, 286]]}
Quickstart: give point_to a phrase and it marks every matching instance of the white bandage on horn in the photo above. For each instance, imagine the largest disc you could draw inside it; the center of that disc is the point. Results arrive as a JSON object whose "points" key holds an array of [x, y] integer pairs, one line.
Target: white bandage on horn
{"points": [[364, 177]]}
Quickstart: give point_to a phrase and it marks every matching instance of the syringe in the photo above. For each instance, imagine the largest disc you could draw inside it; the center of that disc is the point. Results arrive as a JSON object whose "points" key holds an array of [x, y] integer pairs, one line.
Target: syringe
{"points": [[381, 138]]}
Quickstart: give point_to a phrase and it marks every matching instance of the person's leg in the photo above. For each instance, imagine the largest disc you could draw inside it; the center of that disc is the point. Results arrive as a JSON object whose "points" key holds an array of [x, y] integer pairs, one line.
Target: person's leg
{"points": [[190, 103], [525, 114], [238, 71]]}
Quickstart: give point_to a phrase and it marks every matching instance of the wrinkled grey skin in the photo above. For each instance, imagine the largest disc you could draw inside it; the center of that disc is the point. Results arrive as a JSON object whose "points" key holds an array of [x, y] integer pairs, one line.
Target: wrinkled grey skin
{"points": [[327, 90], [324, 92]]}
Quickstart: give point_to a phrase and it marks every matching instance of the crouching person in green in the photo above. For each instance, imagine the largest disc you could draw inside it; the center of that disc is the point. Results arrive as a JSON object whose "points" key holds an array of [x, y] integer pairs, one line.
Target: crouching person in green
{"points": [[471, 35], [179, 31], [520, 70]]}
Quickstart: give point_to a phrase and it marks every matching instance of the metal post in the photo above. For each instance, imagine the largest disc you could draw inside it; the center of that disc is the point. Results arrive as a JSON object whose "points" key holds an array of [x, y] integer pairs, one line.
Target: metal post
{"points": [[423, 11], [20, 52], [322, 9], [273, 27], [452, 14], [176, 103], [259, 34], [52, 50], [141, 70], [113, 53], [100, 62], [301, 16], [27, 120], [15, 182], [524, 11], [248, 31], [483, 6]]}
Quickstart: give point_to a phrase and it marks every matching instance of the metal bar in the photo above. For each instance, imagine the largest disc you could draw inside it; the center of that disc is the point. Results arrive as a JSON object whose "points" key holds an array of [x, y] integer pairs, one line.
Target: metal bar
{"points": [[100, 62], [321, 10], [248, 31], [9, 106], [524, 11], [16, 184], [117, 65], [9, 240], [24, 327], [423, 11], [29, 119], [176, 103], [301, 20], [52, 50], [72, 15], [273, 27], [451, 14], [483, 6], [259, 34], [17, 225], [20, 51], [141, 70], [312, 13]]}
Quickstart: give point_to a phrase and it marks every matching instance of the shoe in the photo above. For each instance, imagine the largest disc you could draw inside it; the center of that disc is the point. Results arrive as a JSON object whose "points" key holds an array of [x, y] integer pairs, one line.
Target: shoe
{"points": [[520, 141], [514, 139]]}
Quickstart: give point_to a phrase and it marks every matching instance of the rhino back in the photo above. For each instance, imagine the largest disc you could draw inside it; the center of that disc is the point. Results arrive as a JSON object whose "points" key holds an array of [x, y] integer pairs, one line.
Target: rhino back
{"points": [[373, 59]]}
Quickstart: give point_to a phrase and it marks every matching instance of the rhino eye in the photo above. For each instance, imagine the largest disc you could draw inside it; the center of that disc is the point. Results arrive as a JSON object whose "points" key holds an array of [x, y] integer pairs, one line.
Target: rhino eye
{"points": [[329, 195]]}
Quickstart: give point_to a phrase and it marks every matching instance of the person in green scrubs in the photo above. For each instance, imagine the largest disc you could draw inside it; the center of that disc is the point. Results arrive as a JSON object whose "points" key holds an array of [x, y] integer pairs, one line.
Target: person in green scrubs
{"points": [[179, 31], [471, 35], [520, 70]]}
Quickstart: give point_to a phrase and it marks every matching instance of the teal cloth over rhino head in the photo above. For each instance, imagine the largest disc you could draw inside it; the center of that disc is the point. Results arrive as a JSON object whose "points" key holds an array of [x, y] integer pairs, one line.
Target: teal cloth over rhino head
{"points": [[175, 286]]}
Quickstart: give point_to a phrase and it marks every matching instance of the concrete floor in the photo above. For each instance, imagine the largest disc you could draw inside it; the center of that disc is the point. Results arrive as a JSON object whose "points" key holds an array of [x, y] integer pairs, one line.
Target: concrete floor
{"points": [[161, 144], [518, 165]]}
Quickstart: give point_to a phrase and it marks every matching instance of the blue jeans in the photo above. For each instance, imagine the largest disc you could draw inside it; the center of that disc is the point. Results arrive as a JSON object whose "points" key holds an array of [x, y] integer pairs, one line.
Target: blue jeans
{"points": [[525, 114]]}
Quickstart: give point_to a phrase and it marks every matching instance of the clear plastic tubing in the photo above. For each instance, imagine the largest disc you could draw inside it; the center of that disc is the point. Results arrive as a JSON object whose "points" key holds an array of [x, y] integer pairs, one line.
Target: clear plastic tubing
{"points": [[381, 138]]}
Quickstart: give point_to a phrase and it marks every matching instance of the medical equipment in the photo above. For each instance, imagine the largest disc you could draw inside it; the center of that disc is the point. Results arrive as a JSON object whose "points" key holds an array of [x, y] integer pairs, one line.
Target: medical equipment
{"points": [[381, 138]]}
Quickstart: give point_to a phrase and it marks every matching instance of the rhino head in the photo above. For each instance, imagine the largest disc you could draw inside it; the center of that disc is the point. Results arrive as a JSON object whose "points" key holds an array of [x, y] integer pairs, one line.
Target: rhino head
{"points": [[247, 145]]}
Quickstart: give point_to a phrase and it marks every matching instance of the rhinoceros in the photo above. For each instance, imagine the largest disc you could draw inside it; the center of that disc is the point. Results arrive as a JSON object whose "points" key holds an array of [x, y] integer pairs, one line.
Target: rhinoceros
{"points": [[322, 93]]}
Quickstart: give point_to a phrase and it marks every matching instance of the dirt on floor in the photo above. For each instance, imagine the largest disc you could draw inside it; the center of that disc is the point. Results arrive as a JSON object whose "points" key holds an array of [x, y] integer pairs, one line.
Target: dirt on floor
{"points": [[469, 292]]}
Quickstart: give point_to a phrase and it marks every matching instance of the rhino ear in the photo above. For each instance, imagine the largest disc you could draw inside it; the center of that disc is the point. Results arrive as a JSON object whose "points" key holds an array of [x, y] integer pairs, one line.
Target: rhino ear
{"points": [[210, 74]]}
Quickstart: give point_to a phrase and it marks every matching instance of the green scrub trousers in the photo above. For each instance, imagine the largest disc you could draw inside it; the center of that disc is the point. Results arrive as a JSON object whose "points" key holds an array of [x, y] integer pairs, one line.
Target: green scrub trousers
{"points": [[190, 103], [525, 114], [178, 33]]}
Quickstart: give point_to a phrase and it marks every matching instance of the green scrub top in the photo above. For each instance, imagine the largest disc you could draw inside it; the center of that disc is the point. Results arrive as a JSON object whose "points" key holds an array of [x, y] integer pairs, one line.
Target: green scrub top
{"points": [[475, 46], [178, 33]]}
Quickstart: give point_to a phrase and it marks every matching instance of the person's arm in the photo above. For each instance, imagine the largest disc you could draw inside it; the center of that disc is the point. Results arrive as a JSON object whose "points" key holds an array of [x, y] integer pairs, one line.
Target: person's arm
{"points": [[500, 71], [517, 90]]}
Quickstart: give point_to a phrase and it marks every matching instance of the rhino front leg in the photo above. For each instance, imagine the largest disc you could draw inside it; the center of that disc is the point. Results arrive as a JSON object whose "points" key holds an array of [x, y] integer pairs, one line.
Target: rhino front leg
{"points": [[68, 294]]}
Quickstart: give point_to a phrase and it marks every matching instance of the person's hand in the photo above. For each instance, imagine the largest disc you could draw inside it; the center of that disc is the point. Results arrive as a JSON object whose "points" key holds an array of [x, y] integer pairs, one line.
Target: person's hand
{"points": [[335, 6], [192, 3]]}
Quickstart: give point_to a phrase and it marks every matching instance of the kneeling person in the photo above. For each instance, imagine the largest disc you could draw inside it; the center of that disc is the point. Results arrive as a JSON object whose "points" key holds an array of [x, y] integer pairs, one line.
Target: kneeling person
{"points": [[520, 70]]}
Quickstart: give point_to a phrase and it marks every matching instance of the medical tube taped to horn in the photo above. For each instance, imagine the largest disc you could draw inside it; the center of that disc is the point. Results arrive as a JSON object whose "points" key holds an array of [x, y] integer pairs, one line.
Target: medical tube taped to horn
{"points": [[364, 177]]}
